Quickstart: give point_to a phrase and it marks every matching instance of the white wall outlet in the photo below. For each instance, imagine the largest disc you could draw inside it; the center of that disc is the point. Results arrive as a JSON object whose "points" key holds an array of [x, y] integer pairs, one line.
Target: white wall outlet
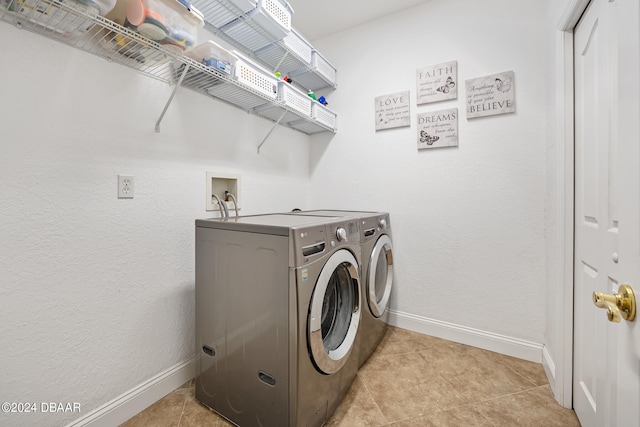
{"points": [[125, 187], [218, 184]]}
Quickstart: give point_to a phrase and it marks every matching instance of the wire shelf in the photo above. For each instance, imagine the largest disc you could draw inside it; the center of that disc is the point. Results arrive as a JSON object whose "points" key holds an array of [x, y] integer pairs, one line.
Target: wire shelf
{"points": [[81, 27], [278, 54]]}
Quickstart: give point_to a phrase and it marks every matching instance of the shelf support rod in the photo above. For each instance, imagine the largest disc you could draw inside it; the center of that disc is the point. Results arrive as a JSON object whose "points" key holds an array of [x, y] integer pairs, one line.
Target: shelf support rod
{"points": [[173, 93], [271, 130]]}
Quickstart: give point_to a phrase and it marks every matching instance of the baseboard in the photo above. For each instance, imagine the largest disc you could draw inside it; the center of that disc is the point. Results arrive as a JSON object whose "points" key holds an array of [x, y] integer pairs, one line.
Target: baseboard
{"points": [[549, 368], [127, 405], [514, 347]]}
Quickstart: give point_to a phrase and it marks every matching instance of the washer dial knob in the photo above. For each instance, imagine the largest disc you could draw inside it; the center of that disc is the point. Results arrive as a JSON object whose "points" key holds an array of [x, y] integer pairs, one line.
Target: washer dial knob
{"points": [[382, 223], [341, 234]]}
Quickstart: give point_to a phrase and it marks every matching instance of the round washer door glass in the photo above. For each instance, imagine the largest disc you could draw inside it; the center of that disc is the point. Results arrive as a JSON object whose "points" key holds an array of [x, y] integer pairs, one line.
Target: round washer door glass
{"points": [[334, 314], [380, 278]]}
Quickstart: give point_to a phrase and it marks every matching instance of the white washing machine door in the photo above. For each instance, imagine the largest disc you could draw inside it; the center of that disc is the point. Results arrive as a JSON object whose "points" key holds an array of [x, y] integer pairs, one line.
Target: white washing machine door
{"points": [[334, 314], [380, 276]]}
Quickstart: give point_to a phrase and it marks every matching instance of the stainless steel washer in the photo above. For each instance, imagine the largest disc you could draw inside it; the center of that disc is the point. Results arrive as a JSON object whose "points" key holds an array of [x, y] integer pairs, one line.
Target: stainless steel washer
{"points": [[278, 309], [377, 275]]}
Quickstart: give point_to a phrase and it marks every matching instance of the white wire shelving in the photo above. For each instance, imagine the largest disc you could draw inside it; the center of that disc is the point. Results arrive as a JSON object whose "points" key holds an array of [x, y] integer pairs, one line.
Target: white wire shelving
{"points": [[81, 27]]}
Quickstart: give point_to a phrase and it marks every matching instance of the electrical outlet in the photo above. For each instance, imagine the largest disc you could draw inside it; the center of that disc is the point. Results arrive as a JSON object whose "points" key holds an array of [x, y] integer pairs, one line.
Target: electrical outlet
{"points": [[125, 187]]}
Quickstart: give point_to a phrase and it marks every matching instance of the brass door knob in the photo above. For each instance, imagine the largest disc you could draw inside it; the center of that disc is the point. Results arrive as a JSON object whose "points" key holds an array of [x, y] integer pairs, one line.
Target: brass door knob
{"points": [[622, 304]]}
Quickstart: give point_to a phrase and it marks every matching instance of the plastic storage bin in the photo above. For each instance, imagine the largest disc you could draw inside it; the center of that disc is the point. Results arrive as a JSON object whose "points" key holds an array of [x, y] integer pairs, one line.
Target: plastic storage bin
{"points": [[320, 74], [168, 22], [67, 17], [254, 84], [295, 99], [273, 54], [254, 76], [221, 12], [268, 22], [323, 115], [215, 56]]}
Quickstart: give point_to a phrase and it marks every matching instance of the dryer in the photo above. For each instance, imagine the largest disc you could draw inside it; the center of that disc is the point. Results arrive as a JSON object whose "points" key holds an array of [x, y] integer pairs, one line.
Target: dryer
{"points": [[376, 272], [278, 308]]}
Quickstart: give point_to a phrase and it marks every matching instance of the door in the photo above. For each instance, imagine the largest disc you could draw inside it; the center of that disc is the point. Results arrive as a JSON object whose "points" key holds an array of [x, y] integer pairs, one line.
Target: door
{"points": [[334, 314], [380, 276], [606, 378]]}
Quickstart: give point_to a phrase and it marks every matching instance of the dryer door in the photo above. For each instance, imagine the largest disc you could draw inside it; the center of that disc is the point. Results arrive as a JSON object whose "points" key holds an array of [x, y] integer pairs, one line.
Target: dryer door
{"points": [[334, 314], [380, 276]]}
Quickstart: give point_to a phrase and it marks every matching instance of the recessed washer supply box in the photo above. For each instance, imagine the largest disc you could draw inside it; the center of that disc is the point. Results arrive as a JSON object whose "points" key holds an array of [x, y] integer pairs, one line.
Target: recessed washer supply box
{"points": [[168, 22], [215, 56]]}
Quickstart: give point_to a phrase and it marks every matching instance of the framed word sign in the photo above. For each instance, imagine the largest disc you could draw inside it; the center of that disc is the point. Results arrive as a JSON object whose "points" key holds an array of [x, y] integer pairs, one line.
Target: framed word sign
{"points": [[438, 129], [392, 110], [490, 95], [437, 82]]}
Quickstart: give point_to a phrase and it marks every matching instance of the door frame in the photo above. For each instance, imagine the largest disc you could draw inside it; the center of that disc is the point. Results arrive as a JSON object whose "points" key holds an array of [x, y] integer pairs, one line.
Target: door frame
{"points": [[563, 375]]}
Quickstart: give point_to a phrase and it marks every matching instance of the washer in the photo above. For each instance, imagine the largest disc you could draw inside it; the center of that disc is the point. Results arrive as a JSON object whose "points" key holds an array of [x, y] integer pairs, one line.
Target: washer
{"points": [[377, 275], [277, 315]]}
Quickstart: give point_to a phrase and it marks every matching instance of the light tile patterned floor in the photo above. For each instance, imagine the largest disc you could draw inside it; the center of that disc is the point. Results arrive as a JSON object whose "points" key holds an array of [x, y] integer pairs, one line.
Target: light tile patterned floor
{"points": [[414, 380]]}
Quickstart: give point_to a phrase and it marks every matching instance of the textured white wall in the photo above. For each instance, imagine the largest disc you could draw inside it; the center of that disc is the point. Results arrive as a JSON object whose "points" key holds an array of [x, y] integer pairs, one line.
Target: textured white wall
{"points": [[468, 222], [96, 293]]}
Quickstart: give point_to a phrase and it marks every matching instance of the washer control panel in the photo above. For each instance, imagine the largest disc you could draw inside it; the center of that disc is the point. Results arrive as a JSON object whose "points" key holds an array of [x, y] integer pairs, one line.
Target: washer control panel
{"points": [[314, 241]]}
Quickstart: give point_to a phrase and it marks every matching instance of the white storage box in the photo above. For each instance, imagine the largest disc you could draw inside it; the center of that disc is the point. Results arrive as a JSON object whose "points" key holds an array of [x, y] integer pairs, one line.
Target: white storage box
{"points": [[321, 74], [254, 77], [168, 22], [219, 13], [215, 56], [298, 45], [323, 67], [275, 55], [323, 115], [69, 17], [271, 16], [295, 99]]}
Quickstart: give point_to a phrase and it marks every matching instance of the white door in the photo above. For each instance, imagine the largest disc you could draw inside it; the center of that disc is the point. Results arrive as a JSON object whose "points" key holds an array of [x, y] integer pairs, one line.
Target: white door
{"points": [[607, 211]]}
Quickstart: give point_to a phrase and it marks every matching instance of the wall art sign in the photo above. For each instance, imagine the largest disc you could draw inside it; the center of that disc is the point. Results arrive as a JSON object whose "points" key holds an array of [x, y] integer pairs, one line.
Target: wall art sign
{"points": [[437, 82], [438, 129], [490, 95], [392, 110]]}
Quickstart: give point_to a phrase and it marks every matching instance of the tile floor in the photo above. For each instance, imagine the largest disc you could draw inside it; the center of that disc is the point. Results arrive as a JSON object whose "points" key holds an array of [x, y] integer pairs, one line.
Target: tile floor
{"points": [[414, 380]]}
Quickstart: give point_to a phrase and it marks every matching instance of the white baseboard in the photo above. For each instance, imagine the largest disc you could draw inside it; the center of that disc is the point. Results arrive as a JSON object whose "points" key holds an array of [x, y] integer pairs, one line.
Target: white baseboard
{"points": [[514, 347], [549, 368], [127, 405]]}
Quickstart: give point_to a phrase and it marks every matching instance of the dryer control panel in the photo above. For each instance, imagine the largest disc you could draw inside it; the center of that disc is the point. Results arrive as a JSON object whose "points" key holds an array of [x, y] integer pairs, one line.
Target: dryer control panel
{"points": [[318, 240]]}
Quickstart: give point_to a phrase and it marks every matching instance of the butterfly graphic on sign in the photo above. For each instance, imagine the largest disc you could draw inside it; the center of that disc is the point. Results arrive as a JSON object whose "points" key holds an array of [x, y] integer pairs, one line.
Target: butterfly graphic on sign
{"points": [[450, 84], [425, 137], [503, 85]]}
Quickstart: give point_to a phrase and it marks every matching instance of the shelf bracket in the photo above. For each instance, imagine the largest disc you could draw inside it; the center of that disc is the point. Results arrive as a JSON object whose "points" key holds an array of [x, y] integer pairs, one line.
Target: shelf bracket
{"points": [[173, 93], [271, 130]]}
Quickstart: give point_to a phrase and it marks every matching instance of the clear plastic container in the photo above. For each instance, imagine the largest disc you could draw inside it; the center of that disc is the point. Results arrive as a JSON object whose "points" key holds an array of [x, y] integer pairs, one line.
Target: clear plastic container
{"points": [[215, 56], [168, 22]]}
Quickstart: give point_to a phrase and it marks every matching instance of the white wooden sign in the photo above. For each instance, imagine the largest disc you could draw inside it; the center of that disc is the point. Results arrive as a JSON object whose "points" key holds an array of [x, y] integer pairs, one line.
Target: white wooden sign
{"points": [[392, 110], [490, 95], [437, 82], [438, 129]]}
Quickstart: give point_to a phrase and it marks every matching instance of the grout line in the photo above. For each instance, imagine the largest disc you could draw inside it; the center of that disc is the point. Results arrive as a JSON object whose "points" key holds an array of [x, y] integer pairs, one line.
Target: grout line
{"points": [[184, 405], [373, 398]]}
